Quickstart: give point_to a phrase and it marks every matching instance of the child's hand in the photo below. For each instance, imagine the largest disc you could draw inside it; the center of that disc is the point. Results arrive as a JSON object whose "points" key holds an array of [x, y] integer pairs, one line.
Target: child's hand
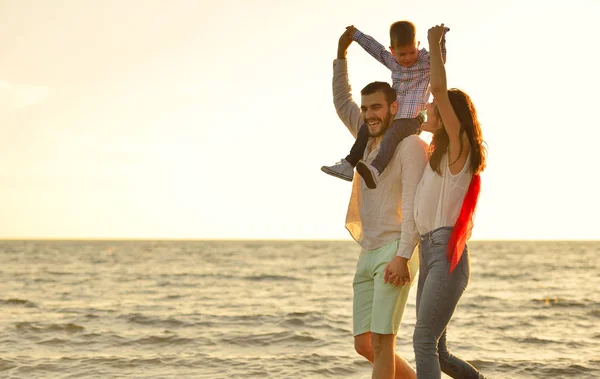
{"points": [[434, 35], [351, 29]]}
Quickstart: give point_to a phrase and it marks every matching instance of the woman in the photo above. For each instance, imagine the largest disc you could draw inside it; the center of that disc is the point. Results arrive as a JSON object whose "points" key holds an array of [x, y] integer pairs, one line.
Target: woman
{"points": [[444, 206]]}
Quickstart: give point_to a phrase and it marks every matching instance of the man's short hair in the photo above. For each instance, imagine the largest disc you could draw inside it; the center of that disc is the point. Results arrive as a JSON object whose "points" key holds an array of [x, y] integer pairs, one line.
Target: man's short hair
{"points": [[383, 87]]}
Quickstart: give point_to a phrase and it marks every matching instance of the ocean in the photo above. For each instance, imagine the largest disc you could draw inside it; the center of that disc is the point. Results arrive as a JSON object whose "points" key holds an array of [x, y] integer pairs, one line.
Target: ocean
{"points": [[277, 309]]}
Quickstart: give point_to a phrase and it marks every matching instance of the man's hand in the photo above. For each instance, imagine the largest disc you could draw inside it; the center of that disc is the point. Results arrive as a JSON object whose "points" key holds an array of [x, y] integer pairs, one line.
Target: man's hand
{"points": [[397, 272], [345, 41], [434, 35]]}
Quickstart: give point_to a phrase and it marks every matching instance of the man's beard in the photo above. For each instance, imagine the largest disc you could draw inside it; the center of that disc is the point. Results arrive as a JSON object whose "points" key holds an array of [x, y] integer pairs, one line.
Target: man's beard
{"points": [[385, 125]]}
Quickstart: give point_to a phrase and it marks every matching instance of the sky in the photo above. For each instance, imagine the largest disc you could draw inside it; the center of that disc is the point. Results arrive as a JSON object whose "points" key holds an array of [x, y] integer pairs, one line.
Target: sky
{"points": [[211, 120]]}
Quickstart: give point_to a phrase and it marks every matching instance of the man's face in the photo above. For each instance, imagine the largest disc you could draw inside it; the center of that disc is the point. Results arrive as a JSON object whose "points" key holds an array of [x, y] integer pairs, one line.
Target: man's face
{"points": [[406, 55], [377, 113]]}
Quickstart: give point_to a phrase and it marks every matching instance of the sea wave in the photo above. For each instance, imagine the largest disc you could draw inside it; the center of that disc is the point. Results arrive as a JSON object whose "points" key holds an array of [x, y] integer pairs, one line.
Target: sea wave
{"points": [[141, 319], [15, 301], [31, 327], [275, 338]]}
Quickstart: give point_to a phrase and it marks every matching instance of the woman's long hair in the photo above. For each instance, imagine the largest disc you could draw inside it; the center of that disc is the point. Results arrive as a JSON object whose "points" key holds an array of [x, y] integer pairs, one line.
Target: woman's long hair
{"points": [[467, 115]]}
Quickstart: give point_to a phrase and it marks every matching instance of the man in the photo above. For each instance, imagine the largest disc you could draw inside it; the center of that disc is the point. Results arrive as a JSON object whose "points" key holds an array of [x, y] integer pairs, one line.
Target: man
{"points": [[381, 220]]}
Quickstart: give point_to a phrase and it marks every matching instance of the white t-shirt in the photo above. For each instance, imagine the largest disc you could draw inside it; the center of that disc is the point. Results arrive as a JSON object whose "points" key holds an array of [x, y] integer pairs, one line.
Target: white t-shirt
{"points": [[439, 198]]}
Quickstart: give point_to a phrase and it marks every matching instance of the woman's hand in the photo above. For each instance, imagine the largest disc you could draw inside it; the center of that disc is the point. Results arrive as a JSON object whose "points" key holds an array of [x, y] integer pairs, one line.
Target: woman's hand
{"points": [[397, 272], [435, 34]]}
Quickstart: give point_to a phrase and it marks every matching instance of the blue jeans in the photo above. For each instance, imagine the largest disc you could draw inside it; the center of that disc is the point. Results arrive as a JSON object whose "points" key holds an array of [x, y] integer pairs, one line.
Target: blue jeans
{"points": [[438, 292]]}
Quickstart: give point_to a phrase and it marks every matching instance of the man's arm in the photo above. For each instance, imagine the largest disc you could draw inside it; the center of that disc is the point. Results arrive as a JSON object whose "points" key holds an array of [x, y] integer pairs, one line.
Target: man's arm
{"points": [[374, 48], [348, 111]]}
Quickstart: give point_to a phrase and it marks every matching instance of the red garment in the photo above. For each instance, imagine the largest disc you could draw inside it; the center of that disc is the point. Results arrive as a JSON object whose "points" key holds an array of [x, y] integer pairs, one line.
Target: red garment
{"points": [[464, 224]]}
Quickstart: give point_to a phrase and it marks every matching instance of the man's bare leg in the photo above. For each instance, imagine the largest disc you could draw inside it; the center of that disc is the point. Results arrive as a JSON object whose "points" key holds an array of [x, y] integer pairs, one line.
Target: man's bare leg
{"points": [[384, 362], [403, 369], [363, 346]]}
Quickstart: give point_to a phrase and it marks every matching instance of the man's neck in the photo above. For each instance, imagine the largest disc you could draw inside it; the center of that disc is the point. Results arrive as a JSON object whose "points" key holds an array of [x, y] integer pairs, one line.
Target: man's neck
{"points": [[373, 142]]}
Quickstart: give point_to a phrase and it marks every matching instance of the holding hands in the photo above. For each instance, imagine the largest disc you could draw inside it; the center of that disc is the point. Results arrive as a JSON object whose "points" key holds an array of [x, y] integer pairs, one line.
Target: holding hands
{"points": [[345, 41], [435, 34], [397, 272]]}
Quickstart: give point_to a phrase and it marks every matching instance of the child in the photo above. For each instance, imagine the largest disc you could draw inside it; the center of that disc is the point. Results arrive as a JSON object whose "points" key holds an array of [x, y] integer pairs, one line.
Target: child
{"points": [[410, 79]]}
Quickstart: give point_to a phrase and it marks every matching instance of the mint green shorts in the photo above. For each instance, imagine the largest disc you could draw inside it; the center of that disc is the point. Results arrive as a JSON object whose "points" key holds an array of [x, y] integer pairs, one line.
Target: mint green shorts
{"points": [[379, 307]]}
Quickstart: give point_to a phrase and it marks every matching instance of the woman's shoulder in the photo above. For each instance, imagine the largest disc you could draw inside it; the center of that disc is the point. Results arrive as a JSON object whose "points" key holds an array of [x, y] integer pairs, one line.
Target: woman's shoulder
{"points": [[466, 168]]}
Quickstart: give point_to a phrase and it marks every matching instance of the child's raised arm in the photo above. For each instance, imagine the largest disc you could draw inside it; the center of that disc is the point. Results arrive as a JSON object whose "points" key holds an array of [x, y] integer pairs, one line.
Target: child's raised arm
{"points": [[374, 48]]}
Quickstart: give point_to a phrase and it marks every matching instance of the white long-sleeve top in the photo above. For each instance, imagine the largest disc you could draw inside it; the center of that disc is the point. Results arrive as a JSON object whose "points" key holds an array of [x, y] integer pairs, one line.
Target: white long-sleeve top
{"points": [[379, 216]]}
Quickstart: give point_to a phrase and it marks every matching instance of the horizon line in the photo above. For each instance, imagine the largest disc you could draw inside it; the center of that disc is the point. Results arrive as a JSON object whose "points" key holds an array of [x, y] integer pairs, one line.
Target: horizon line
{"points": [[256, 239]]}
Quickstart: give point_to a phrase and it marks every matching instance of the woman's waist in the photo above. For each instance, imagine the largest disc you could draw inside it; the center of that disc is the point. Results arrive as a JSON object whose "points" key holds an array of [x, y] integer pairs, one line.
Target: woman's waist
{"points": [[435, 238], [437, 232]]}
